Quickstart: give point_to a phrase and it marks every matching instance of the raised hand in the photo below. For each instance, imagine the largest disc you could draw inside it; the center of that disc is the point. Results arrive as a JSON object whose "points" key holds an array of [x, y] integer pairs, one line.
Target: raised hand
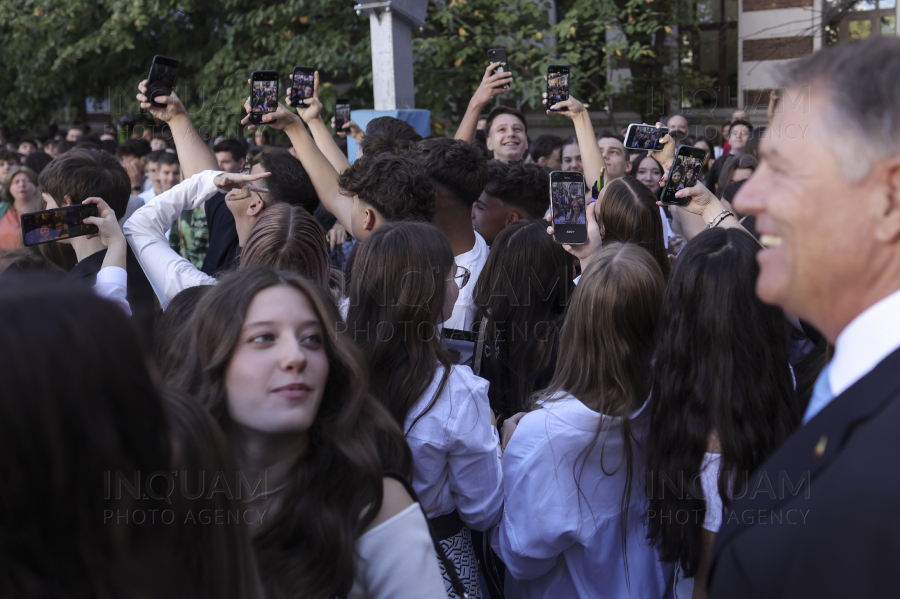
{"points": [[173, 106]]}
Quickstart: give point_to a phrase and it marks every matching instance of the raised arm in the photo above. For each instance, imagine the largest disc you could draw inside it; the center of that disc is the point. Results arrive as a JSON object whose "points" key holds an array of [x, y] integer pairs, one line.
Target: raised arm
{"points": [[193, 153], [491, 85], [323, 176], [311, 114], [591, 158]]}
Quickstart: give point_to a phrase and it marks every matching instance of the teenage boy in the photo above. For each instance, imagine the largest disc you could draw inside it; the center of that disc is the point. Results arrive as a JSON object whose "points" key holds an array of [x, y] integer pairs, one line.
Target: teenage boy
{"points": [[230, 154], [514, 191], [491, 85], [459, 173], [72, 178], [545, 151]]}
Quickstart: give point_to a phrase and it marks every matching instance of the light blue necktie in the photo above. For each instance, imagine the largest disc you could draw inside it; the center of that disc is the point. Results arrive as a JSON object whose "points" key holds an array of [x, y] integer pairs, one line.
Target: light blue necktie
{"points": [[821, 395]]}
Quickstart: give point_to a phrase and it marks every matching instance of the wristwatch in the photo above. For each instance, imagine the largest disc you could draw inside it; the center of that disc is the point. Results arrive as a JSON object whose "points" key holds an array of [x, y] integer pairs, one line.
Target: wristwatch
{"points": [[137, 188]]}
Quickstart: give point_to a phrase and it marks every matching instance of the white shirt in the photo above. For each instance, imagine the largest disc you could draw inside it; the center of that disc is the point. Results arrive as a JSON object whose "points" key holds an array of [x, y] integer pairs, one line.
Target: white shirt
{"points": [[112, 284], [864, 343], [709, 482], [559, 541], [396, 560], [456, 451], [148, 194], [168, 272], [464, 310]]}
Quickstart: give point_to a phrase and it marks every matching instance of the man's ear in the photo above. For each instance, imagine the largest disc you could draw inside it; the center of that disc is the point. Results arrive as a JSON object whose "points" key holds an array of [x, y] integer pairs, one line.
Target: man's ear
{"points": [[370, 219], [487, 142], [888, 229], [256, 206], [513, 217], [627, 166]]}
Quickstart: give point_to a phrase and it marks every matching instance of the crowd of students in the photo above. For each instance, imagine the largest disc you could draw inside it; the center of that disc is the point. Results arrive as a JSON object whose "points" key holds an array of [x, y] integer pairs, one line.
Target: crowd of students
{"points": [[274, 373]]}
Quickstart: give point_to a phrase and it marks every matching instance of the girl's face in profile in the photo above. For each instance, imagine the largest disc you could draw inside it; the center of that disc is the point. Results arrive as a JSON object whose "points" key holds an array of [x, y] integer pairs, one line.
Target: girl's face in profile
{"points": [[277, 374]]}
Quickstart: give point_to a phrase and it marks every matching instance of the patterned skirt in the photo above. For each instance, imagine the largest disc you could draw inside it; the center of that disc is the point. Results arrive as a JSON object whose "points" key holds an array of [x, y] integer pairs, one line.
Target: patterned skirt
{"points": [[461, 551]]}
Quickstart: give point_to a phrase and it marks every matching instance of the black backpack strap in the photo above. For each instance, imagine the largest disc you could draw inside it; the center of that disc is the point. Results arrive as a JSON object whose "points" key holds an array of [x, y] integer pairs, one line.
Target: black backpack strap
{"points": [[455, 582]]}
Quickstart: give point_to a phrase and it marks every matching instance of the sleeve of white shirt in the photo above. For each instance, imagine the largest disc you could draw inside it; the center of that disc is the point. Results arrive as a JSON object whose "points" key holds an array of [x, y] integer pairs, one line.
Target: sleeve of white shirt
{"points": [[168, 272], [476, 477], [709, 482], [534, 531], [396, 560], [112, 284]]}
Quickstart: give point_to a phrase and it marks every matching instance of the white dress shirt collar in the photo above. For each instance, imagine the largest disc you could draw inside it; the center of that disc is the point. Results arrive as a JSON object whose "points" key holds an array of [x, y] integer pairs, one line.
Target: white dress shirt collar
{"points": [[865, 342]]}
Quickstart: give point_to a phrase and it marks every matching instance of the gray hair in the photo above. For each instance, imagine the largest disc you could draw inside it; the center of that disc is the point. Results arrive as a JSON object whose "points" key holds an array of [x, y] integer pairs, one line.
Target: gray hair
{"points": [[861, 84]]}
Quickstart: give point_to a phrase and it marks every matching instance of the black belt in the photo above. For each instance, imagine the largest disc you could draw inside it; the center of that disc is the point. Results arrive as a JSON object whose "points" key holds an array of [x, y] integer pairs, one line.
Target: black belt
{"points": [[447, 525]]}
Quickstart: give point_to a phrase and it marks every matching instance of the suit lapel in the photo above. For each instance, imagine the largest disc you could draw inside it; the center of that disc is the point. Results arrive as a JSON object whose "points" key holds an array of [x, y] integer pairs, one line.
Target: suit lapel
{"points": [[812, 448]]}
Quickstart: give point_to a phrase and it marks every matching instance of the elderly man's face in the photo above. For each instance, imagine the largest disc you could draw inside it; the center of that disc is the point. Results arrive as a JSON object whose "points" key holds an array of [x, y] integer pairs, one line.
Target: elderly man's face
{"points": [[822, 256]]}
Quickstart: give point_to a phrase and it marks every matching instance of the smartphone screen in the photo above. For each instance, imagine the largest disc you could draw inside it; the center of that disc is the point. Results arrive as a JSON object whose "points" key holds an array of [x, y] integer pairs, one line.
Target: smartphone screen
{"points": [[567, 206], [302, 85], [341, 113], [161, 80], [263, 94], [557, 84], [499, 55], [645, 137], [59, 223], [685, 172]]}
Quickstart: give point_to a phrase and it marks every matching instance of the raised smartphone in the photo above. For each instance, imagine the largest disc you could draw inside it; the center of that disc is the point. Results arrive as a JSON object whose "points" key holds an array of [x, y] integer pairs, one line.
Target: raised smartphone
{"points": [[60, 223], [557, 85], [645, 137], [499, 55], [161, 80], [685, 172], [263, 94], [341, 113], [302, 86], [567, 204]]}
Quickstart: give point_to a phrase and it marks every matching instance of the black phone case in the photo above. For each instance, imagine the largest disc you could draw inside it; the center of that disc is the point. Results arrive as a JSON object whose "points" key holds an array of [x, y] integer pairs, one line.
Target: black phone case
{"points": [[573, 234], [680, 202], [256, 117], [297, 100], [499, 56], [548, 90], [150, 93]]}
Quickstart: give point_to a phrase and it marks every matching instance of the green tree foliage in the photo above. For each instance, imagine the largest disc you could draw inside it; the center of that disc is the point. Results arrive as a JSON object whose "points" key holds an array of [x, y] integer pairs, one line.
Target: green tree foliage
{"points": [[55, 53]]}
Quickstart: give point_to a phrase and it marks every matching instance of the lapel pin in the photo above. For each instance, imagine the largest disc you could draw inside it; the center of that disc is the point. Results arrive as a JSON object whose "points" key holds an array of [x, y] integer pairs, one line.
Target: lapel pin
{"points": [[820, 446]]}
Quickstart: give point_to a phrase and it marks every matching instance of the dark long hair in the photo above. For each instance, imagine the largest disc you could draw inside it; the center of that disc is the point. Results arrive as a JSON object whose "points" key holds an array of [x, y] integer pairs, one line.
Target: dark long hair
{"points": [[629, 214], [396, 298], [307, 549], [522, 293], [607, 345], [721, 367], [77, 405]]}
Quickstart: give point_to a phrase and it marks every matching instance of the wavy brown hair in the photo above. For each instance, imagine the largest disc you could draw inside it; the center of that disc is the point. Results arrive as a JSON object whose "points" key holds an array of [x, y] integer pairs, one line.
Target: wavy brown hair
{"points": [[396, 297], [629, 214], [307, 549]]}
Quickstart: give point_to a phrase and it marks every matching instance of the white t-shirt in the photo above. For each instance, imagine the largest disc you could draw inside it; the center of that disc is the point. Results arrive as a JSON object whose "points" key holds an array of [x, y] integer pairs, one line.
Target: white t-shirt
{"points": [[563, 538], [456, 450]]}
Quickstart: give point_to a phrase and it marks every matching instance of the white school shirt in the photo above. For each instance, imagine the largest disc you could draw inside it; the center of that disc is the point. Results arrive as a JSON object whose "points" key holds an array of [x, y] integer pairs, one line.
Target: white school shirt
{"points": [[396, 560], [861, 346], [557, 541], [464, 310], [112, 284], [168, 271], [456, 450]]}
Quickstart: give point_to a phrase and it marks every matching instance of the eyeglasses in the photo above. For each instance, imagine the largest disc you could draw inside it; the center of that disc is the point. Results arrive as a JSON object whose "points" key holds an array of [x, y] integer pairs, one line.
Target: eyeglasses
{"points": [[244, 192], [462, 276], [245, 170]]}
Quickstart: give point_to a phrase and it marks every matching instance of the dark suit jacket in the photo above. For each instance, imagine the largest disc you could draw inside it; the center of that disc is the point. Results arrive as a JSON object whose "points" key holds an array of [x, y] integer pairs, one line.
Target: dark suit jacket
{"points": [[838, 533]]}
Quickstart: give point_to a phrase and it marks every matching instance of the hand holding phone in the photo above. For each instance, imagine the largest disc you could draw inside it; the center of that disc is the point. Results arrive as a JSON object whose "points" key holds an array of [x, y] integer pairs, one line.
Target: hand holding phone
{"points": [[341, 113], [645, 137], [161, 80], [263, 94], [59, 223], [557, 85], [684, 173], [498, 55], [568, 207]]}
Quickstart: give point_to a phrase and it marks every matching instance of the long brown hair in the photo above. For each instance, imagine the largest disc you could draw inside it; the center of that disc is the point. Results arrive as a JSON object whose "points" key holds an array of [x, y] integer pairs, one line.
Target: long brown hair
{"points": [[307, 549], [396, 297], [629, 214], [607, 344]]}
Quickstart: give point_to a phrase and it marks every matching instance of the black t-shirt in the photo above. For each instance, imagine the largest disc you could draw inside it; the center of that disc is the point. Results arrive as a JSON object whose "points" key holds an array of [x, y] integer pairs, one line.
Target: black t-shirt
{"points": [[223, 252]]}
